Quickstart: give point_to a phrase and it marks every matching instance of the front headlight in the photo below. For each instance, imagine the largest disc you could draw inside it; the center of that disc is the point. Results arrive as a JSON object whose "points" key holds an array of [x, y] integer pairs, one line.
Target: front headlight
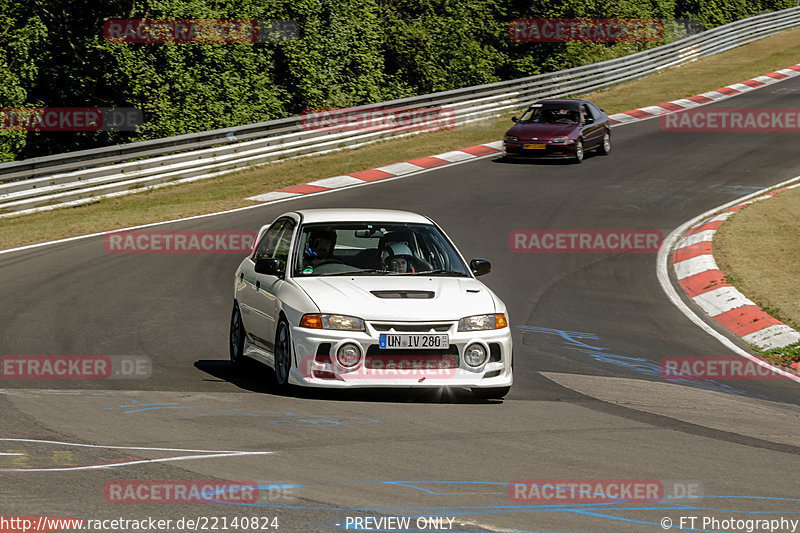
{"points": [[511, 138], [483, 322], [561, 140], [338, 322]]}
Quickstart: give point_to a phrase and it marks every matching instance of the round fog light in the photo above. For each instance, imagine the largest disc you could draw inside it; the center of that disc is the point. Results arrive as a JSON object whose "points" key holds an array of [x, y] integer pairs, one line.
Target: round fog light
{"points": [[475, 355], [348, 355]]}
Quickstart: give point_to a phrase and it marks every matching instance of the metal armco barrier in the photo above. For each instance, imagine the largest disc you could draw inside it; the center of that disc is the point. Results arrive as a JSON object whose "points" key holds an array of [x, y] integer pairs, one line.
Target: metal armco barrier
{"points": [[85, 176]]}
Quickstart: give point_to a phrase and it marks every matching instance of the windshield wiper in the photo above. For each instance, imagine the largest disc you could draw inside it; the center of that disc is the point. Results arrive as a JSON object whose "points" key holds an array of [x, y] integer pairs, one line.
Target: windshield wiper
{"points": [[437, 272], [356, 272]]}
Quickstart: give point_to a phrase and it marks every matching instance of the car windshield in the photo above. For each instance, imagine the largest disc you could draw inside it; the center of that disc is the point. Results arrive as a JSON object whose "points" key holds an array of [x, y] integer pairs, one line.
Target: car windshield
{"points": [[551, 114], [375, 249]]}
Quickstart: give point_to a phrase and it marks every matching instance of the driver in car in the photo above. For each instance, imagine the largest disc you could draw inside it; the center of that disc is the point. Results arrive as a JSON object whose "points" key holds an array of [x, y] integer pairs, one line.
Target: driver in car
{"points": [[320, 247], [400, 259]]}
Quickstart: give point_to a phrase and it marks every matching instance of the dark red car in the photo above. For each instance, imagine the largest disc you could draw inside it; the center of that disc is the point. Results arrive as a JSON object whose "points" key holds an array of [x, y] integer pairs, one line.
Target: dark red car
{"points": [[559, 129]]}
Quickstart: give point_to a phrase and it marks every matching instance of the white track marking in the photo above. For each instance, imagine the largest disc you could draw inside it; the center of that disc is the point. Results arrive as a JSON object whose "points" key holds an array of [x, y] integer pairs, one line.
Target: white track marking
{"points": [[273, 195], [707, 235], [722, 300], [398, 169], [662, 273], [206, 454], [335, 182], [723, 216], [454, 156], [654, 110], [775, 336], [695, 265]]}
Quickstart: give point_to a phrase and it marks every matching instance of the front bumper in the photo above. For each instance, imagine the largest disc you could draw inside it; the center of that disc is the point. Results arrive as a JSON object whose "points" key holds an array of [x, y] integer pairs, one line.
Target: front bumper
{"points": [[314, 364], [551, 150]]}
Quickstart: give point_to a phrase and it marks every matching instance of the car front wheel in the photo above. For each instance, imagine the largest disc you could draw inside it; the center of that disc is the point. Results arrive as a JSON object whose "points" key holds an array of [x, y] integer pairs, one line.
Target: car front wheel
{"points": [[579, 151], [283, 353], [237, 336]]}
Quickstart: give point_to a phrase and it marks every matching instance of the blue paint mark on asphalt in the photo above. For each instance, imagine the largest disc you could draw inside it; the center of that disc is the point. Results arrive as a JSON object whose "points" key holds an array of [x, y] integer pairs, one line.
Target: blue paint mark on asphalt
{"points": [[132, 406], [409, 485], [590, 510], [573, 339], [153, 406]]}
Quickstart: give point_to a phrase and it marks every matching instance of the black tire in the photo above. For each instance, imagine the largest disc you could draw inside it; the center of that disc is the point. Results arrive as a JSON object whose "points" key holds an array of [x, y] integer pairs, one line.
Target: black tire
{"points": [[237, 336], [605, 146], [283, 353], [491, 393], [579, 151]]}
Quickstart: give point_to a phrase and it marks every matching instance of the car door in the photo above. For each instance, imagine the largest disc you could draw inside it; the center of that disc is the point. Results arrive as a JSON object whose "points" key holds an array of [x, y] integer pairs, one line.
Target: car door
{"points": [[245, 283], [258, 305], [266, 305], [592, 128]]}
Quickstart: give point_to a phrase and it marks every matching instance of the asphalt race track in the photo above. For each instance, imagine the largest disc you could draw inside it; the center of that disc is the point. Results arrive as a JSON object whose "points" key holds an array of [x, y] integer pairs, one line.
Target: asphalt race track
{"points": [[587, 404]]}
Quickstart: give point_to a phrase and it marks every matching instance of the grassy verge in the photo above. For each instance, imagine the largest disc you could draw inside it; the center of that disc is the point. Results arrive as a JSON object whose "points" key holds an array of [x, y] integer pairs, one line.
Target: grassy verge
{"points": [[230, 191], [759, 251]]}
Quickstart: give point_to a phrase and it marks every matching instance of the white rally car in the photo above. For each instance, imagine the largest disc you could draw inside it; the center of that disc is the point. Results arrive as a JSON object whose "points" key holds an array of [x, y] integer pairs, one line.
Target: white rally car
{"points": [[368, 298]]}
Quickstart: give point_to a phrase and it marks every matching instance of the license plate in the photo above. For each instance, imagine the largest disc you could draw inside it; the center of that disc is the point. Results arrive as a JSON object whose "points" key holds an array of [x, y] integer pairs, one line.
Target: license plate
{"points": [[534, 146], [399, 341]]}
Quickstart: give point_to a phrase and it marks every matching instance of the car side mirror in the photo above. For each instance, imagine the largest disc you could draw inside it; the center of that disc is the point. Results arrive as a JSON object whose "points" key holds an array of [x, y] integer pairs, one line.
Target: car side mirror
{"points": [[480, 267], [589, 120], [514, 119], [270, 266]]}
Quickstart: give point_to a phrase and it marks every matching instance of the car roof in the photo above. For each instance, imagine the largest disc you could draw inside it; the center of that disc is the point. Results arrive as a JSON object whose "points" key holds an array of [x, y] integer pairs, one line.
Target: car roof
{"points": [[560, 101], [311, 216]]}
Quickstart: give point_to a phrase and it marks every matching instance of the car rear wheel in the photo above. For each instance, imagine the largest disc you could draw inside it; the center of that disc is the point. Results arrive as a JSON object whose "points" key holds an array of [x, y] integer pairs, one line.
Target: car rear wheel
{"points": [[579, 151], [237, 336], [283, 353], [605, 146], [491, 393]]}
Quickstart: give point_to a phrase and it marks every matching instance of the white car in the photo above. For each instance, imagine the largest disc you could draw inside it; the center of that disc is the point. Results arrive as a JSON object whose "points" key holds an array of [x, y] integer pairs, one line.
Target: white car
{"points": [[347, 298]]}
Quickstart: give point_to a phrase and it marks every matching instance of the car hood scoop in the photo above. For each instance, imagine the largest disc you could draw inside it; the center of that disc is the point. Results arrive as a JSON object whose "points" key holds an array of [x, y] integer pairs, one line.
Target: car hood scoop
{"points": [[419, 295]]}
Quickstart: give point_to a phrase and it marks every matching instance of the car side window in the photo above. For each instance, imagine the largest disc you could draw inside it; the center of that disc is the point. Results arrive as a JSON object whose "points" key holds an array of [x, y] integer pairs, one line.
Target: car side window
{"points": [[284, 241], [266, 247], [596, 111], [586, 113]]}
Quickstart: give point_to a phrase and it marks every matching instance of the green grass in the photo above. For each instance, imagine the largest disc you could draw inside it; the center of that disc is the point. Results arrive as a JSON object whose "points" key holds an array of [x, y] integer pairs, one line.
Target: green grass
{"points": [[759, 250], [781, 356]]}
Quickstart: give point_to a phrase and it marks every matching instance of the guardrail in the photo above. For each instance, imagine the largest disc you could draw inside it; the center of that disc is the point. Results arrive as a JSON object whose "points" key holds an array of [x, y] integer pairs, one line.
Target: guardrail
{"points": [[85, 176]]}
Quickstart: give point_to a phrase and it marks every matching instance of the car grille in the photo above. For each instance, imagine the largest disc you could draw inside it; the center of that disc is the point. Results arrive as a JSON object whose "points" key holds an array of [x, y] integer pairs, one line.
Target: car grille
{"points": [[412, 328]]}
